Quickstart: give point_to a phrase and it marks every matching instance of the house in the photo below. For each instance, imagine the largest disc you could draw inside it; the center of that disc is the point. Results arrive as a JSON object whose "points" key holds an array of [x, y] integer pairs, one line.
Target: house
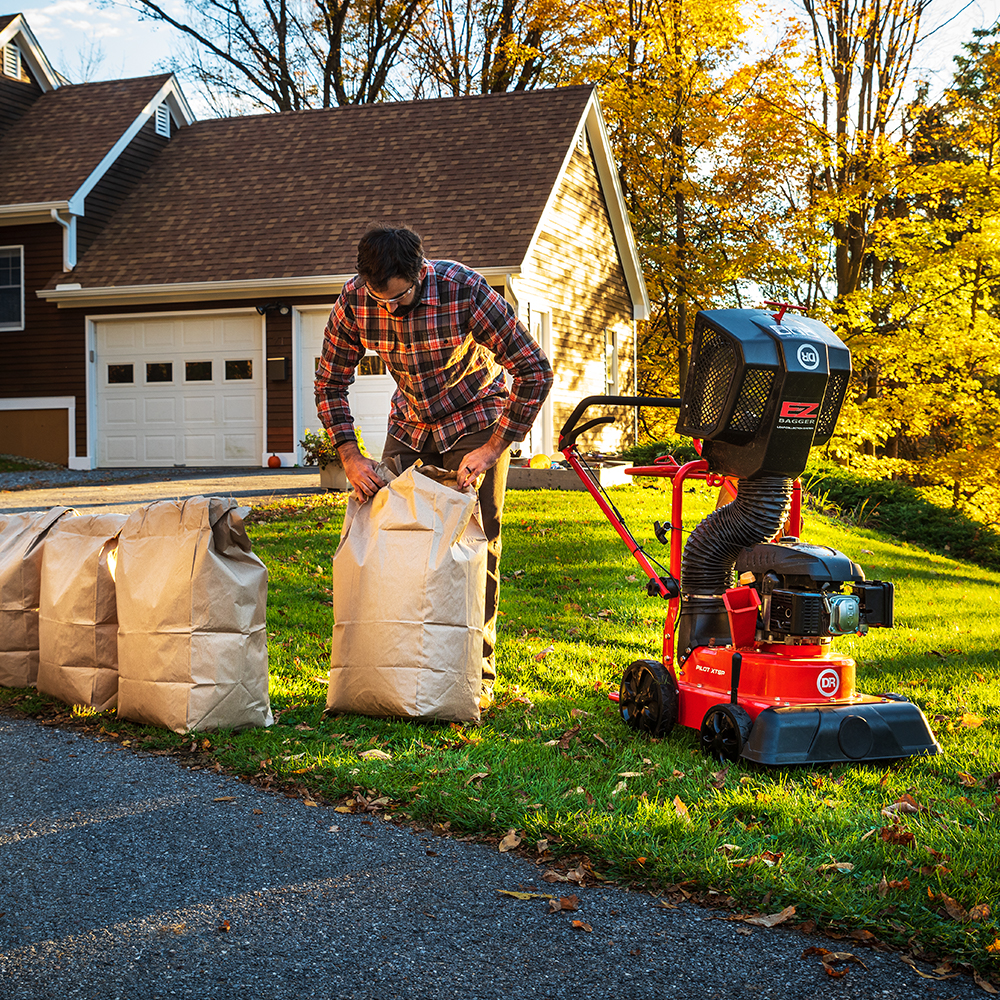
{"points": [[177, 274]]}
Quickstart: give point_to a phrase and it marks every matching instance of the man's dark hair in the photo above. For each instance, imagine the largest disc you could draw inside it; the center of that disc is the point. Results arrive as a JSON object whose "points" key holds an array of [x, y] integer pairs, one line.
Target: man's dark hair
{"points": [[387, 252]]}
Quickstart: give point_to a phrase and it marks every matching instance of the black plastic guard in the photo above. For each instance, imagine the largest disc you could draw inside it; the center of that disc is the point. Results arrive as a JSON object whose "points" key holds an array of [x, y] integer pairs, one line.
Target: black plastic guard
{"points": [[824, 734]]}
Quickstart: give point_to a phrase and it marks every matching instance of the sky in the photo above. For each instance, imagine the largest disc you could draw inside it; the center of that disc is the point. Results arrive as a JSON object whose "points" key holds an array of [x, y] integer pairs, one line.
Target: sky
{"points": [[75, 32]]}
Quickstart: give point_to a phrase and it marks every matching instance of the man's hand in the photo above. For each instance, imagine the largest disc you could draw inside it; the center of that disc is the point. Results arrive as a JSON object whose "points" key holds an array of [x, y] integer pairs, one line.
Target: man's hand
{"points": [[481, 460], [360, 471]]}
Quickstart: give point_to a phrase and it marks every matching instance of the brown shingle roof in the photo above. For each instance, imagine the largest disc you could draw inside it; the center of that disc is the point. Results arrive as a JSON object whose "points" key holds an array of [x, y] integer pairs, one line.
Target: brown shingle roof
{"points": [[55, 147], [288, 195], [5, 19]]}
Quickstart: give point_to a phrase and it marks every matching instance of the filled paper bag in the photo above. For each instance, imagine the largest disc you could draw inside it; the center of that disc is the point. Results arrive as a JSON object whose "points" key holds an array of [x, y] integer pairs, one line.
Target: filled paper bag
{"points": [[78, 614], [22, 540], [409, 583], [192, 597]]}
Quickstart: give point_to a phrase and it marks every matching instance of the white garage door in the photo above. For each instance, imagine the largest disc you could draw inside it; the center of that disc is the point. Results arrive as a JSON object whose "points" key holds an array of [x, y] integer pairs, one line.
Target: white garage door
{"points": [[368, 397], [184, 391]]}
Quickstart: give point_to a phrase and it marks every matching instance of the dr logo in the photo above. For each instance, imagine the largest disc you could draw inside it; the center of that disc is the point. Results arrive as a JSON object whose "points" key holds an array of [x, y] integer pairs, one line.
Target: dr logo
{"points": [[808, 357], [828, 682]]}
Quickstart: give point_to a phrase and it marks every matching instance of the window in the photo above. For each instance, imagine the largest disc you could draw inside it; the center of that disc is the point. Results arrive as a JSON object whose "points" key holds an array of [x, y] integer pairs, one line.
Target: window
{"points": [[198, 371], [11, 288], [12, 61], [611, 362], [163, 121], [239, 370], [160, 371], [120, 375]]}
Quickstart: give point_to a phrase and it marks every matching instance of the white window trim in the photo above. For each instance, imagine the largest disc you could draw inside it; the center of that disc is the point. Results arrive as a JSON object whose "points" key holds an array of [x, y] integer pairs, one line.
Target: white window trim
{"points": [[14, 327]]}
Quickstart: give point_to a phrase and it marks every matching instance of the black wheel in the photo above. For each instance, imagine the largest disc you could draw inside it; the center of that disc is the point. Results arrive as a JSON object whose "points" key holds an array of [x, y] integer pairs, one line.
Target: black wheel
{"points": [[725, 731], [647, 698]]}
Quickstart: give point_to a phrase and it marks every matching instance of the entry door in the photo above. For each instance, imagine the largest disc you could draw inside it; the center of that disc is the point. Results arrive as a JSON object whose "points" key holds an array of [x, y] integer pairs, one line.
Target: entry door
{"points": [[369, 397], [180, 391]]}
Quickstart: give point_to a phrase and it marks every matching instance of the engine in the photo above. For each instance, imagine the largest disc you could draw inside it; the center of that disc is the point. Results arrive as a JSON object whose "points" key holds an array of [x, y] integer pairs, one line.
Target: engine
{"points": [[810, 593]]}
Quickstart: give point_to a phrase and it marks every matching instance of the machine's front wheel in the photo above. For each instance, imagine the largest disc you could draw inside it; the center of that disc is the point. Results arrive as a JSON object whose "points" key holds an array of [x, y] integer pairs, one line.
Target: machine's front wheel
{"points": [[725, 731], [647, 698]]}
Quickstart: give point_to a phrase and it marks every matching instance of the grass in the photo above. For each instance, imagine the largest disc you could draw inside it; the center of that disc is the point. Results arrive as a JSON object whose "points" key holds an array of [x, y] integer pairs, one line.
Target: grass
{"points": [[552, 762], [14, 463]]}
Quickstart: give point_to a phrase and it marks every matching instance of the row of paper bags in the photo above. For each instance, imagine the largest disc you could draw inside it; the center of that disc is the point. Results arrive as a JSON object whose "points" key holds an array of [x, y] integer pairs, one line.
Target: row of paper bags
{"points": [[161, 612]]}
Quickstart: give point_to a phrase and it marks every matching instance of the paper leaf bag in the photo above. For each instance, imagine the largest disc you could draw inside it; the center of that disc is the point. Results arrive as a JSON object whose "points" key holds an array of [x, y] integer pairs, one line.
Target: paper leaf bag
{"points": [[409, 582], [22, 538], [192, 597], [78, 613]]}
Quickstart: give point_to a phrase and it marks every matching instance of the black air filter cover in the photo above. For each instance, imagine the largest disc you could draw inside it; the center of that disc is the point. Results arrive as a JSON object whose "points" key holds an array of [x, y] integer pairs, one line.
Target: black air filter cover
{"points": [[760, 393]]}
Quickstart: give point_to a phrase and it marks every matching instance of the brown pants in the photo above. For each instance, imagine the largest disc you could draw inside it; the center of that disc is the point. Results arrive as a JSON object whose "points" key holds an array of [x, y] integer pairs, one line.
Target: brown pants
{"points": [[491, 497]]}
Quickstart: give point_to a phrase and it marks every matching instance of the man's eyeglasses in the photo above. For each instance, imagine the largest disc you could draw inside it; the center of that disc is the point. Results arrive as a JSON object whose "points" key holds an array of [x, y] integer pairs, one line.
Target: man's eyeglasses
{"points": [[385, 303]]}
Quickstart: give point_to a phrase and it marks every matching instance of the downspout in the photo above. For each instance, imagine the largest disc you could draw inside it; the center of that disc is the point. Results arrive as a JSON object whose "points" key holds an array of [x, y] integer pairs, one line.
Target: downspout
{"points": [[69, 239]]}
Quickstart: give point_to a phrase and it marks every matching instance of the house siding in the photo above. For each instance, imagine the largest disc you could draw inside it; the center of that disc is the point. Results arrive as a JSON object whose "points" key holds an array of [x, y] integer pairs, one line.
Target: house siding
{"points": [[115, 185], [576, 270], [16, 97]]}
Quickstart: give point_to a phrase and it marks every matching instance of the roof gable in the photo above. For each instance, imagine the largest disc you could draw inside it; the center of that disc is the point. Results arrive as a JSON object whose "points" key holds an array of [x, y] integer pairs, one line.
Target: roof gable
{"points": [[287, 195], [14, 28], [66, 138]]}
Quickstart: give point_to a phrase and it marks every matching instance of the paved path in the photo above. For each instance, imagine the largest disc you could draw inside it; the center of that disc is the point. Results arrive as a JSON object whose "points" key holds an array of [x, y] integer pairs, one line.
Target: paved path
{"points": [[128, 877], [124, 493]]}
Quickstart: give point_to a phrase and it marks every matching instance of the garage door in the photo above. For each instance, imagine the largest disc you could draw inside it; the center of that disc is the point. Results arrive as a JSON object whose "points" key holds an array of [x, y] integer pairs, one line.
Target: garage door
{"points": [[184, 391], [368, 397]]}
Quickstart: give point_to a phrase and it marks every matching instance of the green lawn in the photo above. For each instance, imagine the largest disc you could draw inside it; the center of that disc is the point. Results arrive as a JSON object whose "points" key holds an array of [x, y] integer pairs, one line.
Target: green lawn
{"points": [[552, 762]]}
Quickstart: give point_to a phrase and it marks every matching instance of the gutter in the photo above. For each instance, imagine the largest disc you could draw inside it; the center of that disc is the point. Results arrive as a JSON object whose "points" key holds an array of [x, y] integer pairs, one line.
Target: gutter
{"points": [[69, 239], [69, 295]]}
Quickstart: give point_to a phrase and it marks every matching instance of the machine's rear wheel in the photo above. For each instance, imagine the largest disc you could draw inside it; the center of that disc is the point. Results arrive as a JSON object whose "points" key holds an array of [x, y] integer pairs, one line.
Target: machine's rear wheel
{"points": [[647, 698], [725, 731]]}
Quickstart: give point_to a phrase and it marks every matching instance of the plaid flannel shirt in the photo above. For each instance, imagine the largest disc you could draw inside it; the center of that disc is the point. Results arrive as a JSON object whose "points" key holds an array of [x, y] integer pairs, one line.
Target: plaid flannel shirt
{"points": [[447, 354]]}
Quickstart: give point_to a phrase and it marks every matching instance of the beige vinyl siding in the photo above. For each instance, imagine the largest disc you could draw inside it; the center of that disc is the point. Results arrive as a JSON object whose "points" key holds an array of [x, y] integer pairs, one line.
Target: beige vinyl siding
{"points": [[576, 270]]}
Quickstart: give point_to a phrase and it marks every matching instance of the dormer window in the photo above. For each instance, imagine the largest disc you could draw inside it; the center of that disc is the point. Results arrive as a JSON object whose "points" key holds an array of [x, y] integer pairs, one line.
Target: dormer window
{"points": [[12, 61], [163, 121]]}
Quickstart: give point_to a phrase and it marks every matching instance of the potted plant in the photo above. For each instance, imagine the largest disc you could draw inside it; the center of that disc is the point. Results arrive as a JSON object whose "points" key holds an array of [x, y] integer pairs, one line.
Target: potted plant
{"points": [[318, 450]]}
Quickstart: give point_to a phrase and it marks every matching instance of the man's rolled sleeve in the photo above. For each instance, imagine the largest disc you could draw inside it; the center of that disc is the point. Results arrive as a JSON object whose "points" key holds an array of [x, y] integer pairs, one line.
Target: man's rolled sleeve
{"points": [[342, 350], [494, 325]]}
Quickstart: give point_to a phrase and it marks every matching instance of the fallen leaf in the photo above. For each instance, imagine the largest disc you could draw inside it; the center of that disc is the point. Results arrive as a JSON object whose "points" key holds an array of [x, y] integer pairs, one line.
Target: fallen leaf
{"points": [[524, 895], [727, 849], [743, 930], [967, 780], [578, 713], [682, 810], [509, 842], [995, 947], [770, 919], [983, 984], [478, 776], [567, 903], [567, 736], [630, 774], [897, 834], [719, 778], [925, 975], [970, 720], [581, 925], [979, 912], [861, 935], [553, 876], [952, 907], [375, 755], [835, 973], [225, 798], [541, 846], [620, 787], [224, 927], [545, 652], [771, 858], [836, 866]]}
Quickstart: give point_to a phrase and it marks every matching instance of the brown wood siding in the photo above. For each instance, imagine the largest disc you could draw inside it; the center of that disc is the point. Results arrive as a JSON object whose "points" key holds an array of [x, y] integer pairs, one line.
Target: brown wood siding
{"points": [[46, 358], [40, 434], [111, 190], [15, 99], [280, 421], [71, 324], [576, 268]]}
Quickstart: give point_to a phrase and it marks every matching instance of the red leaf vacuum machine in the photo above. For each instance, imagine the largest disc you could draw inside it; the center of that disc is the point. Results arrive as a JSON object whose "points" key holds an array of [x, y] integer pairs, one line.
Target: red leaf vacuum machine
{"points": [[753, 610]]}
